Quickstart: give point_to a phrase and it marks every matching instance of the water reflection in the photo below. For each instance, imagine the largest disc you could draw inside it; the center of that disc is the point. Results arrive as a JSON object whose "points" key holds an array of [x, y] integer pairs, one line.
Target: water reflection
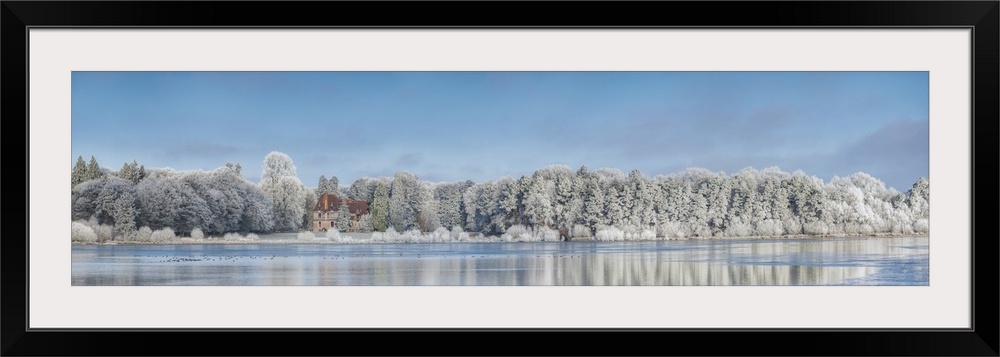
{"points": [[829, 261]]}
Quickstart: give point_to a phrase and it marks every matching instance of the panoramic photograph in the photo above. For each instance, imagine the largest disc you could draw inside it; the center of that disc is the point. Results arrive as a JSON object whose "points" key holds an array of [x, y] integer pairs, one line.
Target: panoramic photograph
{"points": [[499, 178]]}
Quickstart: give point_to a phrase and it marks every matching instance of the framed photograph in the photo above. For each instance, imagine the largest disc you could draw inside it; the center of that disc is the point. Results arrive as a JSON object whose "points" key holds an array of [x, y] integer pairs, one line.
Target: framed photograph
{"points": [[655, 181]]}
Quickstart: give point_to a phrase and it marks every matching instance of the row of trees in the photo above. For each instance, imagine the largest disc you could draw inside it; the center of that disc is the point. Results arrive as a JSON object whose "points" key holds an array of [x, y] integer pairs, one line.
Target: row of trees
{"points": [[217, 202], [694, 203], [580, 203], [213, 202], [85, 171]]}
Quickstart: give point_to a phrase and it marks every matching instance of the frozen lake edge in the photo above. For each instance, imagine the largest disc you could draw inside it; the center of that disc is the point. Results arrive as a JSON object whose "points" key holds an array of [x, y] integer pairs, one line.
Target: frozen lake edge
{"points": [[270, 239]]}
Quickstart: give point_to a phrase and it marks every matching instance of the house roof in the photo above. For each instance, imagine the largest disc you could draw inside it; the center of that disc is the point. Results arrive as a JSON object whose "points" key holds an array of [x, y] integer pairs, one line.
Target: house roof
{"points": [[331, 202]]}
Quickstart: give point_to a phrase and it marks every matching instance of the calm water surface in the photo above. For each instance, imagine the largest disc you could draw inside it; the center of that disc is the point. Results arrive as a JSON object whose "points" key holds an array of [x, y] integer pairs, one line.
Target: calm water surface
{"points": [[813, 261]]}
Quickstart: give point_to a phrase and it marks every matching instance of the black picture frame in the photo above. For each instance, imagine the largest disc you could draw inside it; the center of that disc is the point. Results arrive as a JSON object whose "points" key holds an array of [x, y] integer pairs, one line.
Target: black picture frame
{"points": [[979, 16]]}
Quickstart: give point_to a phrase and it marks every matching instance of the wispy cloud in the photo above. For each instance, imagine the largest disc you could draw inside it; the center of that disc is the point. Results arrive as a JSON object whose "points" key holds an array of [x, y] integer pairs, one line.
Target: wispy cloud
{"points": [[202, 149], [408, 160]]}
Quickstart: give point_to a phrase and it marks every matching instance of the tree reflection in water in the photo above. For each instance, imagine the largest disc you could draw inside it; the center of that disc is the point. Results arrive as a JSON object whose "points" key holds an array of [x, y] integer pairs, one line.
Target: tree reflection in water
{"points": [[814, 261]]}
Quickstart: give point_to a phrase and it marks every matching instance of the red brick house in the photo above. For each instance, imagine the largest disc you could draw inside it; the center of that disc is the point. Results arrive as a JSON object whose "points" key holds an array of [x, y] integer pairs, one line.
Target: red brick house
{"points": [[327, 210]]}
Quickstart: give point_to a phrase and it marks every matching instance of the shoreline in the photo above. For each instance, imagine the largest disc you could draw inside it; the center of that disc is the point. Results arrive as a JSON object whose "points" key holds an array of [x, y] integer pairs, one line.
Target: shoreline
{"points": [[221, 241]]}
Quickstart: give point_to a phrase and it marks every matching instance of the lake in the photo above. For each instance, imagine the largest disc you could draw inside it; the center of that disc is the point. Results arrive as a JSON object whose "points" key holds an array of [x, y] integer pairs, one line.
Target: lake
{"points": [[809, 261]]}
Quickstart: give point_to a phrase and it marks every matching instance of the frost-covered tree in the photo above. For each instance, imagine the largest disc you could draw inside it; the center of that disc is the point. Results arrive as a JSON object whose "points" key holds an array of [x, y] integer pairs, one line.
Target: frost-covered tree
{"points": [[481, 203], [859, 203], [538, 210], [287, 193], [333, 185], [594, 214], [614, 205], [79, 172], [84, 200], [716, 191], [96, 198], [427, 217], [307, 216], [321, 186], [167, 201], [124, 214], [699, 220], [83, 172], [288, 196], [365, 223], [807, 201], [774, 194], [238, 169], [449, 198], [344, 218], [558, 184], [510, 208], [473, 213], [404, 201], [93, 169], [277, 165], [642, 197], [132, 172], [427, 208], [567, 204], [380, 207], [108, 201], [257, 214], [918, 198], [328, 186], [363, 189]]}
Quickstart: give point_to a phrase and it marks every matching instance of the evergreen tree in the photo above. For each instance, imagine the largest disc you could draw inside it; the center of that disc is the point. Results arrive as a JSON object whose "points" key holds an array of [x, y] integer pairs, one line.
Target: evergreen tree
{"points": [[344, 218], [330, 186], [593, 205], [333, 185], [93, 170], [79, 172], [380, 207], [716, 191], [363, 188], [510, 209], [321, 186], [614, 206], [566, 205], [132, 172], [307, 215], [449, 198], [124, 214], [918, 198], [404, 201]]}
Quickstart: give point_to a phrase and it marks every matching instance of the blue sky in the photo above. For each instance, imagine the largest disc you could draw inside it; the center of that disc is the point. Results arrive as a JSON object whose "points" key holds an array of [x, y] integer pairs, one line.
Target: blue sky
{"points": [[451, 126]]}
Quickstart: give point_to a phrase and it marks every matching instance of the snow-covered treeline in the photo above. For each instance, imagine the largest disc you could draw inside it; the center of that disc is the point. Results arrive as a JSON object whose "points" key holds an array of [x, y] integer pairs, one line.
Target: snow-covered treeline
{"points": [[608, 204], [217, 202], [213, 202], [133, 200], [554, 203]]}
